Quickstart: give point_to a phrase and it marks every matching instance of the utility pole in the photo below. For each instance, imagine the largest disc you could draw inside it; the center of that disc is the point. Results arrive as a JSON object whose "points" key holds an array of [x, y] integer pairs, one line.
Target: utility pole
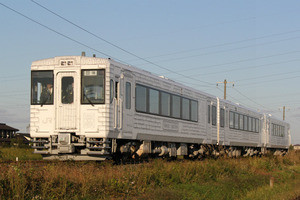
{"points": [[284, 109], [225, 85]]}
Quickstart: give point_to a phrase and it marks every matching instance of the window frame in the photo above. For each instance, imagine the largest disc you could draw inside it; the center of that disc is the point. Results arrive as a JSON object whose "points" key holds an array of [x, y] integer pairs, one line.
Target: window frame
{"points": [[62, 100], [53, 88], [222, 117], [208, 114], [241, 122], [146, 99], [149, 102], [246, 125], [111, 90], [128, 99], [180, 117], [193, 120], [189, 108], [236, 120], [231, 119], [213, 115], [160, 104], [246, 121], [104, 87], [180, 109]]}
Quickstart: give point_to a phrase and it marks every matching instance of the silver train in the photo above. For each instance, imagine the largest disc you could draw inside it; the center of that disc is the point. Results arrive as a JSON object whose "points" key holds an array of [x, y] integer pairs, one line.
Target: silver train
{"points": [[88, 108]]}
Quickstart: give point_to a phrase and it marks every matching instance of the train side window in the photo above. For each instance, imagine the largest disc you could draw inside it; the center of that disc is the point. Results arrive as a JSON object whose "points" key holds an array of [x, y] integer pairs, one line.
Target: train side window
{"points": [[231, 119], [249, 123], [165, 104], [245, 123], [176, 106], [111, 90], [117, 90], [153, 101], [222, 117], [280, 127], [185, 104], [257, 126], [236, 120], [194, 111], [214, 115], [67, 90], [128, 95], [241, 122], [253, 125], [141, 98], [208, 114]]}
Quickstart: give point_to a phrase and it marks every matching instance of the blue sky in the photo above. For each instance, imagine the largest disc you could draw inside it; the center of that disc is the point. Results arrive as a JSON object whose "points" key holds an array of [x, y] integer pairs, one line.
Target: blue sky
{"points": [[256, 44]]}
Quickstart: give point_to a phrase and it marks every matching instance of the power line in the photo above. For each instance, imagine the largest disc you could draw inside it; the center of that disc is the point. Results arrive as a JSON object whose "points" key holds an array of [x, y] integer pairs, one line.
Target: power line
{"points": [[253, 78], [270, 75], [251, 99], [220, 51], [238, 101], [238, 61], [249, 67], [229, 43], [273, 80], [281, 95], [114, 45], [61, 34]]}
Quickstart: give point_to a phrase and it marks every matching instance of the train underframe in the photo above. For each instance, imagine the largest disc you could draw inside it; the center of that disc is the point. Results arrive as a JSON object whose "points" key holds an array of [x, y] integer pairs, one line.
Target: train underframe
{"points": [[68, 146]]}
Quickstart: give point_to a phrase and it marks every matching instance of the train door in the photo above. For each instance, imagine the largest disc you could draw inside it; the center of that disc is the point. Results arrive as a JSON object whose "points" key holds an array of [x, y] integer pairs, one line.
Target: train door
{"points": [[208, 122], [117, 104], [128, 104], [268, 130], [221, 122], [66, 101]]}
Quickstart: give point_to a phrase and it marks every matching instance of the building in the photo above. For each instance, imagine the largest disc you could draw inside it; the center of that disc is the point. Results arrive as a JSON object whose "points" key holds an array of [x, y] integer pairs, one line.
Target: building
{"points": [[7, 131]]}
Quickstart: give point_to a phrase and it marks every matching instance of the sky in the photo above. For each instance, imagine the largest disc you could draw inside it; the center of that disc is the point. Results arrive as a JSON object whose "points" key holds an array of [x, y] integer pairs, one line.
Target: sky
{"points": [[255, 44]]}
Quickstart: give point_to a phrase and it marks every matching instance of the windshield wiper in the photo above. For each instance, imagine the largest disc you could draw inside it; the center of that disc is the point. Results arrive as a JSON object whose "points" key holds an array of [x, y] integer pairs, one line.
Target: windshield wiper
{"points": [[88, 99]]}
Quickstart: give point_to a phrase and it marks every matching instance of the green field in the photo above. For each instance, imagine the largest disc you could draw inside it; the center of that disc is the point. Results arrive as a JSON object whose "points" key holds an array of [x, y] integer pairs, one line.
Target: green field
{"points": [[243, 178], [23, 154]]}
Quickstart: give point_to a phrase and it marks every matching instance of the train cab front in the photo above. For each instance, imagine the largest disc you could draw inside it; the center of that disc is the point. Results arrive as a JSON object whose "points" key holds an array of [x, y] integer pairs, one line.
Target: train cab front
{"points": [[67, 104]]}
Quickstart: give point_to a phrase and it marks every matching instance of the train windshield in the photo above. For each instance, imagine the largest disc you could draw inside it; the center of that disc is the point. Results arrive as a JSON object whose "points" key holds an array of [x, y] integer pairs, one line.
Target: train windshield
{"points": [[41, 87], [92, 91]]}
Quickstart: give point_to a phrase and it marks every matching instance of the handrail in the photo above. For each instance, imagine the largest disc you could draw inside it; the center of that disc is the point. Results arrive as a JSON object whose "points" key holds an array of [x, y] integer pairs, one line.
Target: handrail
{"points": [[121, 114], [116, 112]]}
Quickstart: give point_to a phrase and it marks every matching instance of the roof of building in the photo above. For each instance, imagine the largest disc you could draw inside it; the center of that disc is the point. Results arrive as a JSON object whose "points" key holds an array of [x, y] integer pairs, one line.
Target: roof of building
{"points": [[7, 128]]}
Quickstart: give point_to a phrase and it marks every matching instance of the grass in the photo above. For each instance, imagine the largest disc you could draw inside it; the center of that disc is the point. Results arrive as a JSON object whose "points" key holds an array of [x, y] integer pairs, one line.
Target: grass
{"points": [[244, 178], [10, 154]]}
